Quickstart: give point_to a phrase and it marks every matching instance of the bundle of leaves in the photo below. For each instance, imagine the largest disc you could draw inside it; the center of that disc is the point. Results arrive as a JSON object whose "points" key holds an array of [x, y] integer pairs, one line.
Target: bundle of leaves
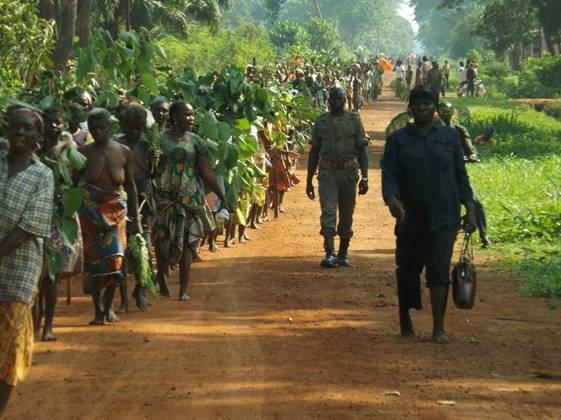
{"points": [[138, 263]]}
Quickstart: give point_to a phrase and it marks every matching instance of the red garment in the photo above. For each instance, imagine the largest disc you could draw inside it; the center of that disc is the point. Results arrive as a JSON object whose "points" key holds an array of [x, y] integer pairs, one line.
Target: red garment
{"points": [[278, 174]]}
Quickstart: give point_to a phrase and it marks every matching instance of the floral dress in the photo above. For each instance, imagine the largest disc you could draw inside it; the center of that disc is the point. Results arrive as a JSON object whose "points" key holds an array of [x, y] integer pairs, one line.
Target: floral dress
{"points": [[181, 217]]}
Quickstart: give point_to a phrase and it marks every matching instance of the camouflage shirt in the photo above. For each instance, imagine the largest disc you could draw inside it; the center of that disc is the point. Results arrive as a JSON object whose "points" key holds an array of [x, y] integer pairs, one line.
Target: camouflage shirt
{"points": [[338, 138]]}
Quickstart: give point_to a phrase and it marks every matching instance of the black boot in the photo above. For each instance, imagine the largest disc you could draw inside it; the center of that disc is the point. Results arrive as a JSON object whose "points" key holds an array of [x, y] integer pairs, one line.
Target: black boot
{"points": [[330, 260], [342, 255]]}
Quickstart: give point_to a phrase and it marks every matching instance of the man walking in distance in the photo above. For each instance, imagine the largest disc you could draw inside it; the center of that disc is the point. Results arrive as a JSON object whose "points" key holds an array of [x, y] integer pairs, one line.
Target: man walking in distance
{"points": [[339, 148], [424, 181]]}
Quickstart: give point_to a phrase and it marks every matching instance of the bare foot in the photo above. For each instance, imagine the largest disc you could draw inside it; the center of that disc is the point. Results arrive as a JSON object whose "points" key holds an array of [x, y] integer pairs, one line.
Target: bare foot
{"points": [[111, 316], [197, 258], [124, 308], [48, 335], [440, 337], [253, 225], [164, 290], [142, 303], [406, 324], [97, 321], [213, 248], [184, 297]]}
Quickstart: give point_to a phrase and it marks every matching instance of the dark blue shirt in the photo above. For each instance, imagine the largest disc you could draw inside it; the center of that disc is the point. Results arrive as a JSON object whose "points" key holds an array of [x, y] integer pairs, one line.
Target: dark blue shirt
{"points": [[428, 174]]}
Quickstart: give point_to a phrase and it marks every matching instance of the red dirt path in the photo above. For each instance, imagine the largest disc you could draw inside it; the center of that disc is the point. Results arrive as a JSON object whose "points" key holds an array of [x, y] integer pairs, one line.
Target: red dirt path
{"points": [[268, 334]]}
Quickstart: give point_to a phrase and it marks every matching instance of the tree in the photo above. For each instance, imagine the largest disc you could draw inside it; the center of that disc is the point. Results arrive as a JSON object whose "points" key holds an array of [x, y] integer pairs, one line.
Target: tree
{"points": [[323, 35], [83, 23], [288, 33], [66, 30], [507, 25], [549, 15], [25, 45]]}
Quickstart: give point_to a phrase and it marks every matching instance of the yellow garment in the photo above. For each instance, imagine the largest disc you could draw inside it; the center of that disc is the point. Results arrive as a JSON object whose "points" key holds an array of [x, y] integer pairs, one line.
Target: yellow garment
{"points": [[242, 212], [16, 341]]}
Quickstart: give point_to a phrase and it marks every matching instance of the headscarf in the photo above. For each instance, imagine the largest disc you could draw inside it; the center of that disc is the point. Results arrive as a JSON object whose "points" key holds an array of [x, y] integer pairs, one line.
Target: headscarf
{"points": [[37, 119]]}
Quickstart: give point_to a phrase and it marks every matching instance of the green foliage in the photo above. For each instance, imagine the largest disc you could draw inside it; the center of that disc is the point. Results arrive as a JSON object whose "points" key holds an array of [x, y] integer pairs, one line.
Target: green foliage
{"points": [[287, 34], [440, 28], [507, 23], [323, 35], [553, 110], [203, 50], [358, 21], [519, 183], [25, 44], [139, 264], [540, 78]]}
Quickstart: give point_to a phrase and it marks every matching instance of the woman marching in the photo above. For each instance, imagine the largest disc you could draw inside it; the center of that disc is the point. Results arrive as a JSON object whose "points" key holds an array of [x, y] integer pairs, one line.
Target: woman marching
{"points": [[181, 220], [26, 209]]}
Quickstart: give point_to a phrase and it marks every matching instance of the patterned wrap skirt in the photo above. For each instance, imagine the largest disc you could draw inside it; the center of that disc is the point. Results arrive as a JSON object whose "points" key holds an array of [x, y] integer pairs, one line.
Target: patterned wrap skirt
{"points": [[16, 341]]}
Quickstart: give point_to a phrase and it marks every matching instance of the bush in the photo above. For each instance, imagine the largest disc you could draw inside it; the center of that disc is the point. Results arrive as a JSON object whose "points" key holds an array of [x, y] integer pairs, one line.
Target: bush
{"points": [[519, 183], [553, 110], [25, 44], [540, 78], [287, 34], [205, 50]]}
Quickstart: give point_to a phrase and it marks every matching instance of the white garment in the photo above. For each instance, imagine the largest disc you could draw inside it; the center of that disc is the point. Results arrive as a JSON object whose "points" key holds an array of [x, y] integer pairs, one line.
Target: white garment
{"points": [[426, 67], [399, 72], [463, 74]]}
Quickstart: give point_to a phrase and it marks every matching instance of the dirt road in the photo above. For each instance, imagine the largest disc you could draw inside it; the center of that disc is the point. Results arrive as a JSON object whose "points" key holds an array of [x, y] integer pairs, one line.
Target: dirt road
{"points": [[269, 334]]}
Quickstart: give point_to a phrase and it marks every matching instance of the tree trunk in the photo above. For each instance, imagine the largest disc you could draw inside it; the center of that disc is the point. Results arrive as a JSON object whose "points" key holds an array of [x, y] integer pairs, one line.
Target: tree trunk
{"points": [[66, 30], [549, 42], [516, 57], [83, 24], [318, 9], [127, 15], [47, 9]]}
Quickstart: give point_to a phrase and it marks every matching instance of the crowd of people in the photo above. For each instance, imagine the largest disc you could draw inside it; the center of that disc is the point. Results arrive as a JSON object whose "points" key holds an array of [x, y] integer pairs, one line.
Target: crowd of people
{"points": [[435, 76], [361, 81], [75, 192]]}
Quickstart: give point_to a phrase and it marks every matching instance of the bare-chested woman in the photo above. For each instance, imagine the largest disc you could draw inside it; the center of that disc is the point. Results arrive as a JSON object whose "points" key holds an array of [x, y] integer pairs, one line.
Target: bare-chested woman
{"points": [[109, 173]]}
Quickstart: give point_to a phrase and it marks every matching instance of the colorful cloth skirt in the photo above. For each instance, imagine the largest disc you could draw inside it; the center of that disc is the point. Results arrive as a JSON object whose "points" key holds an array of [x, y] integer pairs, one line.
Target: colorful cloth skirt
{"points": [[16, 341], [104, 233]]}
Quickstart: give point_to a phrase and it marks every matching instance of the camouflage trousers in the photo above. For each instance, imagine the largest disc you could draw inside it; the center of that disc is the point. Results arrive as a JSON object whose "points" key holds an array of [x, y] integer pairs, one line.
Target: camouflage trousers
{"points": [[337, 193]]}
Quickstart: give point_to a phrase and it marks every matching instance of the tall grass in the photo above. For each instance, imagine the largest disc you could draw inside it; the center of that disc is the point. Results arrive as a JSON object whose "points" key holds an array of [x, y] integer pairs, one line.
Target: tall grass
{"points": [[519, 181]]}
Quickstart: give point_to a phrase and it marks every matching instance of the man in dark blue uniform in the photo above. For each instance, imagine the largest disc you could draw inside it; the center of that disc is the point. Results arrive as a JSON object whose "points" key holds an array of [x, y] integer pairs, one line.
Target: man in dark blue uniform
{"points": [[424, 181]]}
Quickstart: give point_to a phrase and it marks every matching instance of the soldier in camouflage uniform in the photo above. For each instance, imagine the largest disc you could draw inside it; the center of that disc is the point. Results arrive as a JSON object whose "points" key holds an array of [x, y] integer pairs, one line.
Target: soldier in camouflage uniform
{"points": [[339, 148], [445, 112]]}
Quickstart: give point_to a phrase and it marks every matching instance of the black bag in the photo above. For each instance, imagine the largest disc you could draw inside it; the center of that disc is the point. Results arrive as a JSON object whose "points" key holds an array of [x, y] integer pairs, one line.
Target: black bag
{"points": [[464, 276]]}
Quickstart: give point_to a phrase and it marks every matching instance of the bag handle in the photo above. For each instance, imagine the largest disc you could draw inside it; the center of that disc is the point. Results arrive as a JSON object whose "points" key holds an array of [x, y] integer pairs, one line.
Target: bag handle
{"points": [[466, 252]]}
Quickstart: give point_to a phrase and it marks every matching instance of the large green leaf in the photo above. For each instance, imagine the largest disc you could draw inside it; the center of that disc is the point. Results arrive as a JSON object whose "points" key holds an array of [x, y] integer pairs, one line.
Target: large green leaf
{"points": [[150, 83], [232, 156], [77, 159], [68, 228], [72, 198], [223, 131], [86, 62], [208, 127]]}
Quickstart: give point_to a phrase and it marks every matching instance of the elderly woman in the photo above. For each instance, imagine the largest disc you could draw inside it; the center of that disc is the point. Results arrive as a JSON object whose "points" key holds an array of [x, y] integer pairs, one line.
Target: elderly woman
{"points": [[181, 220], [26, 207]]}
